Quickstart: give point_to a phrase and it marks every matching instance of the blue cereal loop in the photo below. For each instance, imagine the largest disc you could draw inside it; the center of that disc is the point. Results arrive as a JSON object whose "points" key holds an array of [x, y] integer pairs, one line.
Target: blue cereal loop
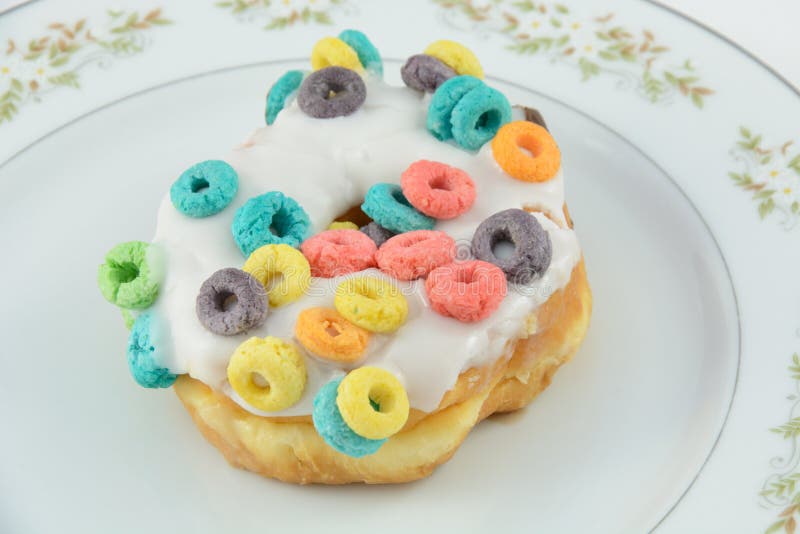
{"points": [[478, 115], [332, 428], [205, 188], [444, 100], [269, 219], [387, 206], [280, 92], [146, 348], [367, 54]]}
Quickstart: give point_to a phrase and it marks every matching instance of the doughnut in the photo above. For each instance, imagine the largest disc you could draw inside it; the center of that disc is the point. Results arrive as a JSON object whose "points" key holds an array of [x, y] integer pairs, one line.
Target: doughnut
{"points": [[526, 151], [282, 270], [126, 278], [458, 291], [333, 52], [377, 233], [337, 252], [437, 189], [280, 93], [414, 254], [331, 92], [456, 56], [368, 55], [371, 303], [532, 115], [387, 205], [332, 428], [425, 73], [230, 302], [268, 373], [146, 353], [372, 402], [269, 219], [327, 334], [467, 291], [532, 247]]}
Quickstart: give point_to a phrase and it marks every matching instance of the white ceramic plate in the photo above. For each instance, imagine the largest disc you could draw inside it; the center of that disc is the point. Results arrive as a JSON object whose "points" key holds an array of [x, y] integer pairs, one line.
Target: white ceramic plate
{"points": [[663, 414]]}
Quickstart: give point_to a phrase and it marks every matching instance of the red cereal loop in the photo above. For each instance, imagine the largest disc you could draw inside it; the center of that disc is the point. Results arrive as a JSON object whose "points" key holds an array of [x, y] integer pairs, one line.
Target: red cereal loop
{"points": [[438, 190], [468, 291], [414, 254], [337, 252]]}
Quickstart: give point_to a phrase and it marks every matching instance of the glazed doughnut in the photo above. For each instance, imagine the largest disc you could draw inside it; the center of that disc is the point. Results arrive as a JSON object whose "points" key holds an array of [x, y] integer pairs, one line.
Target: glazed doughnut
{"points": [[384, 304]]}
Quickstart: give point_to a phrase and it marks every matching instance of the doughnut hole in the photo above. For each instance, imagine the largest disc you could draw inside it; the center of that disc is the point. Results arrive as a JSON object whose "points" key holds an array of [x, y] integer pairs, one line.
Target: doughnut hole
{"points": [[355, 215]]}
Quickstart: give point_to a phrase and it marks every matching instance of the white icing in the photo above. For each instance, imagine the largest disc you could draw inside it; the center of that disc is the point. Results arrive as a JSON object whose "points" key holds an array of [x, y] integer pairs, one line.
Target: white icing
{"points": [[327, 166]]}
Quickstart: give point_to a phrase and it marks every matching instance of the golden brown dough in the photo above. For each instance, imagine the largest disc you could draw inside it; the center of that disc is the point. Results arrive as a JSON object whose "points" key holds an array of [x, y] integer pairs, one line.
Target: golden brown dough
{"points": [[290, 449]]}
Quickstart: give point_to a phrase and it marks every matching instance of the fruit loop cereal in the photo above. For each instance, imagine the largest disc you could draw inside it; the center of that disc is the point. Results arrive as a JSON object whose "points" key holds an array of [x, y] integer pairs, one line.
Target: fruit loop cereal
{"points": [[231, 301], [327, 334], [438, 190], [332, 428], [414, 254], [372, 402], [371, 303], [526, 151], [468, 291], [282, 270], [267, 373], [338, 252]]}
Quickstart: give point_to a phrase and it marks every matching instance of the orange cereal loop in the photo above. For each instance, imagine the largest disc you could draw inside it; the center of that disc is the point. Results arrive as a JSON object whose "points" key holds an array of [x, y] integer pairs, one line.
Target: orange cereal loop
{"points": [[327, 334], [526, 151]]}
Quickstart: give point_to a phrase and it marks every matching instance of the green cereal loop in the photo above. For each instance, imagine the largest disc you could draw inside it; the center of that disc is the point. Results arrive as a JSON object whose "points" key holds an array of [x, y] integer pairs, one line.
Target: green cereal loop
{"points": [[128, 317], [126, 279]]}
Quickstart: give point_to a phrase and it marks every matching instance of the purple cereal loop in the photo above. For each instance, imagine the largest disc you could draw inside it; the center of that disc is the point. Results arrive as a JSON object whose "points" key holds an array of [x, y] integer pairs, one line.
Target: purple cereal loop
{"points": [[331, 92], [425, 73], [221, 316], [377, 233], [532, 247]]}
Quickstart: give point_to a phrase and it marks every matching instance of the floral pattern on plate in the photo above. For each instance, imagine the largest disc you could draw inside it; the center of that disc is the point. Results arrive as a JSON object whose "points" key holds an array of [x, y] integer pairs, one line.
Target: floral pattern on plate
{"points": [[594, 44], [770, 173], [55, 58], [280, 14], [782, 489]]}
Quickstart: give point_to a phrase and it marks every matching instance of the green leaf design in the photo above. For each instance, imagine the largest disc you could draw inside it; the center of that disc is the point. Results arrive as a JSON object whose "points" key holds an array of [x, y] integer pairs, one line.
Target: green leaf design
{"points": [[68, 79], [588, 68], [775, 527]]}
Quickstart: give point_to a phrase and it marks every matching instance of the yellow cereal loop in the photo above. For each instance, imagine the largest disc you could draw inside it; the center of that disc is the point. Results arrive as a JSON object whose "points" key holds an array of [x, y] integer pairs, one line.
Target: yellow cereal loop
{"points": [[342, 225], [456, 56], [372, 402], [331, 51], [268, 373], [327, 334], [283, 270], [372, 303]]}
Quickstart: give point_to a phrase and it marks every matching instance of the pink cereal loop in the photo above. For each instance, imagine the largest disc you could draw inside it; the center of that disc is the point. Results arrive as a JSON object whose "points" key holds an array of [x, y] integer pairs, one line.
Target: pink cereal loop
{"points": [[468, 291], [438, 190], [414, 254], [338, 252]]}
